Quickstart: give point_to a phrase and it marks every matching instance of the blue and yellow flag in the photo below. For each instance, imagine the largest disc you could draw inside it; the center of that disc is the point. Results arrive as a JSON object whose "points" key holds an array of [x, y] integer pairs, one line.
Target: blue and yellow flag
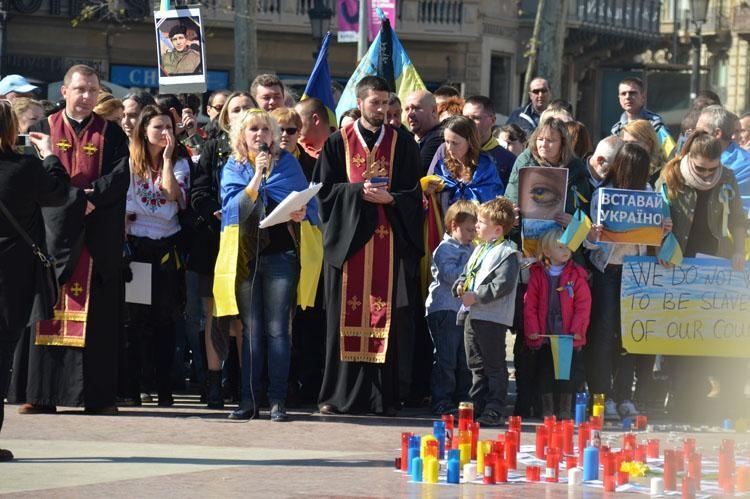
{"points": [[666, 142], [319, 84], [670, 251], [165, 5], [385, 58], [562, 354], [576, 231]]}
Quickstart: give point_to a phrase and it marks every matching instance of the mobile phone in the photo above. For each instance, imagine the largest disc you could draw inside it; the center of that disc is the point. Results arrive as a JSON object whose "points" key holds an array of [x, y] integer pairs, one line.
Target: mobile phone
{"points": [[23, 139], [379, 180], [24, 145]]}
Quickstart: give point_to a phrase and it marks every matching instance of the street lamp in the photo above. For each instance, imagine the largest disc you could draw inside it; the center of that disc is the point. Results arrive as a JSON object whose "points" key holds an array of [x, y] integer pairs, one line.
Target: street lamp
{"points": [[320, 22], [699, 13]]}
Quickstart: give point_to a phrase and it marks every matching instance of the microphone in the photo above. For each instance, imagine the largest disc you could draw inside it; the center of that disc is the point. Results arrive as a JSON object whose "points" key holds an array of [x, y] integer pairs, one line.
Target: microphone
{"points": [[264, 148]]}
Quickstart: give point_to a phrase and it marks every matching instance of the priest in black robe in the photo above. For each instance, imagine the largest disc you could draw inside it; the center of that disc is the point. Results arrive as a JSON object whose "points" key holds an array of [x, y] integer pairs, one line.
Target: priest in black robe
{"points": [[92, 222], [370, 195]]}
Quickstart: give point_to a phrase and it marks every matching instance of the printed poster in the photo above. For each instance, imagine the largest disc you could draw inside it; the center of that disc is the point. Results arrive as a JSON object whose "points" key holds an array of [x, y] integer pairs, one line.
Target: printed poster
{"points": [[633, 217], [180, 51]]}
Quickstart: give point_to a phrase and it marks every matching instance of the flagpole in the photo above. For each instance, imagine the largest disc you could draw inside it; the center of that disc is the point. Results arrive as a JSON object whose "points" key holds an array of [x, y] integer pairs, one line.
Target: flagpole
{"points": [[363, 30]]}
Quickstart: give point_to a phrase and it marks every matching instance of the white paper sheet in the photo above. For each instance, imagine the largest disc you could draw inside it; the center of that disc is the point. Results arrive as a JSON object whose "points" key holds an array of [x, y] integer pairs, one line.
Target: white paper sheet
{"points": [[291, 203], [138, 290]]}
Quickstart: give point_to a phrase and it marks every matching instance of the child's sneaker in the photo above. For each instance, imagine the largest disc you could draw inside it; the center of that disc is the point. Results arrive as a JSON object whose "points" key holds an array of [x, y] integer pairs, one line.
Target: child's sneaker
{"points": [[443, 408], [491, 417], [610, 410], [627, 409]]}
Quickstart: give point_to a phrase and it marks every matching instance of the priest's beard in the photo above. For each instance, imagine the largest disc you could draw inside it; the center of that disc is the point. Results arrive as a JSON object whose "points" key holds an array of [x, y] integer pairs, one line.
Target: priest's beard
{"points": [[372, 120]]}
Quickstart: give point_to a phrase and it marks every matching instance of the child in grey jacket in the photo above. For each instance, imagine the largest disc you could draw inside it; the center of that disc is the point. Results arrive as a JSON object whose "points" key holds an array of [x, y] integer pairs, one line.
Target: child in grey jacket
{"points": [[488, 291], [451, 378]]}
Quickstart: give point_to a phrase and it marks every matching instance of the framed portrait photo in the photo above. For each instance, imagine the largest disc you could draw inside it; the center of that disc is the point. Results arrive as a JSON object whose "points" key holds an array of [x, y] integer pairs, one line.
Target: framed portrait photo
{"points": [[180, 51]]}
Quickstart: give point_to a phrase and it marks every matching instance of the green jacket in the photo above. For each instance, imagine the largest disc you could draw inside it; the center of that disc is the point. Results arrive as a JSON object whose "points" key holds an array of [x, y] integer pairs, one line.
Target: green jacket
{"points": [[683, 207]]}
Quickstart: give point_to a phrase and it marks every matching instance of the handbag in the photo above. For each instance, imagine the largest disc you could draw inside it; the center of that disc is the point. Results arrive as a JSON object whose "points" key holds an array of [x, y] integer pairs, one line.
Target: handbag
{"points": [[47, 288]]}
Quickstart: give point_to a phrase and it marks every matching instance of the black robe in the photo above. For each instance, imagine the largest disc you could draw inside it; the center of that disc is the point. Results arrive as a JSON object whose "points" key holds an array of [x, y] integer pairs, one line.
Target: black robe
{"points": [[350, 223], [69, 376]]}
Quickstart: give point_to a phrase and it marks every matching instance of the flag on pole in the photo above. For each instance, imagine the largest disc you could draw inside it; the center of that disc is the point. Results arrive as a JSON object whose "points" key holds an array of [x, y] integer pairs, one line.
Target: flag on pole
{"points": [[386, 58], [319, 84], [576, 231], [165, 5], [562, 354]]}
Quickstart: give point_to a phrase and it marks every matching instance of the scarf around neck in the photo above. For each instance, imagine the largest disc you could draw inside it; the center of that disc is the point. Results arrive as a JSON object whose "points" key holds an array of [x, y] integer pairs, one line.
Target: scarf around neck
{"points": [[692, 179]]}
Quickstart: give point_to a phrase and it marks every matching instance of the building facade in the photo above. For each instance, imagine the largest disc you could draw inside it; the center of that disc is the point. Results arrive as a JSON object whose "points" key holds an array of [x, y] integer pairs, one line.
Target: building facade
{"points": [[471, 42]]}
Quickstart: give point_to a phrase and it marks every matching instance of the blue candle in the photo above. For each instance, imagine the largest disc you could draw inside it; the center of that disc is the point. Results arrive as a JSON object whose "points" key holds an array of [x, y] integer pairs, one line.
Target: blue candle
{"points": [[590, 463], [416, 469], [413, 452], [454, 470], [581, 403], [438, 430]]}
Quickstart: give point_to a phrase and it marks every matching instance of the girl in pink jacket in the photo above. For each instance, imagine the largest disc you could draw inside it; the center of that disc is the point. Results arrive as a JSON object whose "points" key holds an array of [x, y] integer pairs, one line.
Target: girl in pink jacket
{"points": [[557, 301]]}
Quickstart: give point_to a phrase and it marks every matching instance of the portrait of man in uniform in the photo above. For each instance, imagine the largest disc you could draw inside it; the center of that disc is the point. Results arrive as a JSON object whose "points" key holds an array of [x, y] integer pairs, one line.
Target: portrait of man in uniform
{"points": [[181, 58]]}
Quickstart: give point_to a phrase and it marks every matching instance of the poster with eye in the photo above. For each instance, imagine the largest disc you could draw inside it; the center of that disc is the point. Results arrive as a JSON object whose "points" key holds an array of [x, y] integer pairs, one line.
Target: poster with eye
{"points": [[541, 195], [180, 51]]}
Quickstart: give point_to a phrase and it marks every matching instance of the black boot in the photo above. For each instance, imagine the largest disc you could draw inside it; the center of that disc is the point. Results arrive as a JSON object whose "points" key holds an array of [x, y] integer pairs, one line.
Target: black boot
{"points": [[548, 404], [214, 398], [566, 399]]}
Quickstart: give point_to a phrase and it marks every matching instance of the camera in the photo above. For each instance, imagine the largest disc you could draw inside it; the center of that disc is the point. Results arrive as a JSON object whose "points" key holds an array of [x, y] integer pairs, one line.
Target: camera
{"points": [[24, 145]]}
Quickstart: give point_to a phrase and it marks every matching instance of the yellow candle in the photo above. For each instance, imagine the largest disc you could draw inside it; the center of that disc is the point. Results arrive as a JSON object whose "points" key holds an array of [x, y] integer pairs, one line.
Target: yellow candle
{"points": [[483, 447], [597, 410], [423, 445], [431, 470], [464, 453]]}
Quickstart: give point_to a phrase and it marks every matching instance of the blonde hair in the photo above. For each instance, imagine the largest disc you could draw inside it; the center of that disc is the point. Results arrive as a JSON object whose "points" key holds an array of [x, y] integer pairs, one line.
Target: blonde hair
{"points": [[644, 133], [566, 149], [23, 104], [548, 241], [224, 114], [107, 105], [287, 114], [459, 212], [498, 211], [8, 127], [237, 133]]}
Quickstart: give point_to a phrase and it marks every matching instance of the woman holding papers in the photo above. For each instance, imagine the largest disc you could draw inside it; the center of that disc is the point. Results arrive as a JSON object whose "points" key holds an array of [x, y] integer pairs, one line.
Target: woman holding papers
{"points": [[708, 219], [609, 368], [206, 202], [257, 270], [159, 176]]}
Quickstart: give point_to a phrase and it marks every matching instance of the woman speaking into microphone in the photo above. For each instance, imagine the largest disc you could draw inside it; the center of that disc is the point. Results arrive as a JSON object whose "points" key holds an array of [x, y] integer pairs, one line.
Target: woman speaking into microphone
{"points": [[257, 270]]}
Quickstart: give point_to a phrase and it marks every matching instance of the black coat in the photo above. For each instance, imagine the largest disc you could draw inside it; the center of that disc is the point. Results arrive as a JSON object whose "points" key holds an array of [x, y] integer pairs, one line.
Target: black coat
{"points": [[26, 184]]}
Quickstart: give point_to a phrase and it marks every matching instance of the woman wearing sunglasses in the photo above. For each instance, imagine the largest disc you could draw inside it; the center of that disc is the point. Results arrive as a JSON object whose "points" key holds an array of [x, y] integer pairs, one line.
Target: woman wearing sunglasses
{"points": [[290, 124]]}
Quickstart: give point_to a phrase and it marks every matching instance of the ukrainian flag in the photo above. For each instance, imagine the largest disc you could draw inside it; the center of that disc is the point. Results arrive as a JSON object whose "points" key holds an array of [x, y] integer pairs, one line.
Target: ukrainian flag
{"points": [[562, 354], [165, 5], [319, 84], [666, 142], [385, 58]]}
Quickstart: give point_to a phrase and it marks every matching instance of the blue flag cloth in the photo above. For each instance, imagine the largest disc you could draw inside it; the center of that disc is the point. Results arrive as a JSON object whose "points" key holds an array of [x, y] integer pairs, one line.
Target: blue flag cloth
{"points": [[319, 84], [485, 183], [286, 176], [562, 354], [385, 58]]}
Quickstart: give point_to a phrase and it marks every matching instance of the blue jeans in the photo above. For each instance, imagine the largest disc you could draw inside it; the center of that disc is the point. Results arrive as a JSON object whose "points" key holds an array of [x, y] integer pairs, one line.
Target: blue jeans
{"points": [[451, 378], [265, 311]]}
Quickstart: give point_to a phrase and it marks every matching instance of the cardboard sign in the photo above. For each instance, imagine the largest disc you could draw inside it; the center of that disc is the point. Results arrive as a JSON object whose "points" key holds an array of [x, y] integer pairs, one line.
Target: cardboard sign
{"points": [[701, 307], [632, 217]]}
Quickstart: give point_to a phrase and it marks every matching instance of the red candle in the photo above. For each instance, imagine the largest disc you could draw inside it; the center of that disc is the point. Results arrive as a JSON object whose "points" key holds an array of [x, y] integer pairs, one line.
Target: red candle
{"points": [[694, 469], [653, 448], [596, 422], [549, 422], [603, 454], [498, 447], [670, 470], [743, 479], [628, 441], [688, 447], [570, 461], [688, 488], [514, 423], [552, 471], [608, 463], [533, 473], [679, 460], [514, 437], [568, 431], [501, 471], [726, 468], [641, 451], [449, 444], [641, 422], [474, 439], [510, 455], [609, 483], [622, 477], [488, 474], [465, 415], [541, 441], [405, 449], [584, 433]]}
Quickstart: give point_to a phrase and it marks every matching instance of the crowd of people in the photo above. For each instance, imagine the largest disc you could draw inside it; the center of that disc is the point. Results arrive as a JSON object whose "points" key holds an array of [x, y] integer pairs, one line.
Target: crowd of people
{"points": [[411, 250]]}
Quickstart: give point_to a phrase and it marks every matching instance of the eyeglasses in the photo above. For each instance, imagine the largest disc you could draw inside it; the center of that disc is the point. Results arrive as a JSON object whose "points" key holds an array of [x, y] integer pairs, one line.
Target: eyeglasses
{"points": [[537, 91], [290, 131], [217, 108]]}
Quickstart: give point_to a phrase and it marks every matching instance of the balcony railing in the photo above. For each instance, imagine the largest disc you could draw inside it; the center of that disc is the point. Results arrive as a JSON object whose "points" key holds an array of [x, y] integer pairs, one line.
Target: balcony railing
{"points": [[639, 17]]}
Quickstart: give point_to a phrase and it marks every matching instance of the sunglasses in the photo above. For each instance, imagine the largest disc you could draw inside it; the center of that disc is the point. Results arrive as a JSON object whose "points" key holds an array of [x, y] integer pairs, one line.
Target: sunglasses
{"points": [[538, 91], [217, 108], [290, 131], [703, 170]]}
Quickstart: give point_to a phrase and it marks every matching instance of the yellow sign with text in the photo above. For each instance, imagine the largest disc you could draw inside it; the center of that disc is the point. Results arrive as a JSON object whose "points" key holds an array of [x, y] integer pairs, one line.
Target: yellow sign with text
{"points": [[701, 307]]}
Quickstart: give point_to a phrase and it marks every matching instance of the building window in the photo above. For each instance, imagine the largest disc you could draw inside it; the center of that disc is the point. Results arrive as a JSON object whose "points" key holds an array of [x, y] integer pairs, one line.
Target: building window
{"points": [[500, 78]]}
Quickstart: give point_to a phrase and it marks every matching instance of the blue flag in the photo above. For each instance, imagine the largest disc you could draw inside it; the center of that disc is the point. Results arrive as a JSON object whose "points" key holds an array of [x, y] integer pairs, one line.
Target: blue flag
{"points": [[319, 84]]}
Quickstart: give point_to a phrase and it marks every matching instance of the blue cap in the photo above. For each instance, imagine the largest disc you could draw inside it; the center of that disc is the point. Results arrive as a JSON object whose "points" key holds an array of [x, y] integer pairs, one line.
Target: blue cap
{"points": [[17, 84]]}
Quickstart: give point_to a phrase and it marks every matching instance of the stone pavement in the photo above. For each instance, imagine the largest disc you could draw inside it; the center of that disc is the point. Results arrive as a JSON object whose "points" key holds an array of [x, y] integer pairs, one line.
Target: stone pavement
{"points": [[187, 451]]}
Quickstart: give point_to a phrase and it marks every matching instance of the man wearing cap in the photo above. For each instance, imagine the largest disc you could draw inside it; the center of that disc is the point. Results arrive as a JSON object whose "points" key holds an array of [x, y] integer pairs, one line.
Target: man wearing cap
{"points": [[13, 86], [182, 59]]}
